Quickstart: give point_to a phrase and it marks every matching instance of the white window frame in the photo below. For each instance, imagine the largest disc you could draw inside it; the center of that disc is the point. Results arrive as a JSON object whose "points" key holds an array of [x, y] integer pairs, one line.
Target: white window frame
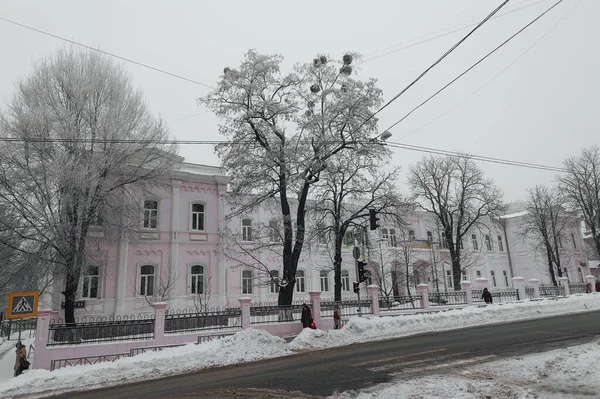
{"points": [[274, 285], [444, 240], [273, 231], [142, 279], [147, 214], [430, 236], [488, 243], [505, 274], [324, 278], [345, 280], [474, 242], [348, 238], [478, 273], [87, 278], [196, 216], [500, 244], [449, 279], [393, 239], [247, 230], [493, 274], [247, 287], [300, 281], [193, 279], [411, 235], [385, 237]]}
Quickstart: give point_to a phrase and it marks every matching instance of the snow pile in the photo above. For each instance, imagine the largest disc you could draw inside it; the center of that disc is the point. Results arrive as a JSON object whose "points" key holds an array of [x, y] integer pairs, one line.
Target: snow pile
{"points": [[564, 373], [245, 346], [361, 329]]}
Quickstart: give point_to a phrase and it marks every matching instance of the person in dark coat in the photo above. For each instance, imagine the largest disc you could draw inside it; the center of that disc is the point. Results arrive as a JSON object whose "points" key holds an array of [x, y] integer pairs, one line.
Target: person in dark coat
{"points": [[486, 296], [306, 316], [21, 362], [597, 285]]}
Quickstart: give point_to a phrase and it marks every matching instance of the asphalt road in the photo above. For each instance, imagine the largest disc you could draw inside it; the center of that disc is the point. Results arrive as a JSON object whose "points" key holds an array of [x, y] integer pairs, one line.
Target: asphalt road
{"points": [[322, 373]]}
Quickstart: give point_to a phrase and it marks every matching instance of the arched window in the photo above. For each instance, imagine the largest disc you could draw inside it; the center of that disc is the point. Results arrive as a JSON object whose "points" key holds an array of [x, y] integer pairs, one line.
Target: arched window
{"points": [[147, 277], [300, 287], [493, 277], [488, 243], [324, 280], [500, 245], [197, 217], [345, 280], [474, 241], [196, 279], [91, 282], [247, 282], [150, 218], [444, 241], [246, 230], [274, 281]]}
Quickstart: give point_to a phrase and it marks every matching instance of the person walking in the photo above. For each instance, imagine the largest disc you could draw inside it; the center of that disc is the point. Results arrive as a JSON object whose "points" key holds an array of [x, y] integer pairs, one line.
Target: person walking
{"points": [[306, 317], [486, 296], [21, 363], [337, 317]]}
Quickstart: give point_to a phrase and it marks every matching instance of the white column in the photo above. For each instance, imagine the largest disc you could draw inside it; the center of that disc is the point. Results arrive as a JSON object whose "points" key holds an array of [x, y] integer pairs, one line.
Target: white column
{"points": [[519, 285], [174, 241], [221, 263], [122, 275]]}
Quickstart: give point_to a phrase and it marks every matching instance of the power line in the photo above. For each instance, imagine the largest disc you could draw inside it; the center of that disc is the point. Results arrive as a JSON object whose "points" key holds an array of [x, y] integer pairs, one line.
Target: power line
{"points": [[438, 34], [435, 63], [496, 76], [106, 53], [247, 143], [474, 65]]}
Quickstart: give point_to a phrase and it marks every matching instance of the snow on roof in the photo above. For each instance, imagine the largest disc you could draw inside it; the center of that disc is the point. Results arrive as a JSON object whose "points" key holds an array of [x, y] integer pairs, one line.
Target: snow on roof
{"points": [[514, 215]]}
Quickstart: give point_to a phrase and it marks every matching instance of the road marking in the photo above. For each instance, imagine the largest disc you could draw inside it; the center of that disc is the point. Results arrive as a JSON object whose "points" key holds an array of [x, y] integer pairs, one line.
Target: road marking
{"points": [[441, 366], [413, 362], [385, 359]]}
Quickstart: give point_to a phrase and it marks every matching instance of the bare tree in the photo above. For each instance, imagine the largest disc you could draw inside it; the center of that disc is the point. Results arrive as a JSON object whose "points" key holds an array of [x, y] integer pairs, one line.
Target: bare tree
{"points": [[80, 137], [283, 130], [350, 186], [455, 191], [581, 184], [544, 224]]}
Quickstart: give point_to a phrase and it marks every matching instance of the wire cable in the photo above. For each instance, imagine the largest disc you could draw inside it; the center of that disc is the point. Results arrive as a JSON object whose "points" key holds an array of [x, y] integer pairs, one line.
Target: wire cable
{"points": [[106, 53], [474, 65], [435, 63]]}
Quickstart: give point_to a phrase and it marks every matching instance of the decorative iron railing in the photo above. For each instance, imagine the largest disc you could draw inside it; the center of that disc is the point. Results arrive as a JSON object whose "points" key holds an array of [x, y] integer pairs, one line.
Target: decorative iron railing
{"points": [[447, 298], [104, 331], [551, 291], [265, 314], [79, 361], [348, 307], [181, 321], [500, 296], [579, 288]]}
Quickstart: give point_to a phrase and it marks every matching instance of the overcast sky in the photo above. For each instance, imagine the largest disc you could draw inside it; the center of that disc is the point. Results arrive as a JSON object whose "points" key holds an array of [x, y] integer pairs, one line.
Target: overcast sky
{"points": [[539, 110]]}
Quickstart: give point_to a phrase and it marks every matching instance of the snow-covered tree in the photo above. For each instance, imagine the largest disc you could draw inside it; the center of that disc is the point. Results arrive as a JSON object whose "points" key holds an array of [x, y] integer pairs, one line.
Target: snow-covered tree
{"points": [[79, 136], [455, 191], [281, 132]]}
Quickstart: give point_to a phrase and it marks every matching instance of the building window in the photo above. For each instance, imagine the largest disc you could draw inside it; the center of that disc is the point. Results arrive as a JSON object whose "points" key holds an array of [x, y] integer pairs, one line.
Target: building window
{"points": [[429, 236], [417, 277], [324, 280], [384, 235], [150, 214], [411, 235], [91, 281], [198, 217], [463, 275], [574, 243], [493, 278], [500, 245], [147, 280], [247, 282], [474, 240], [478, 273], [488, 243], [393, 240], [444, 241], [505, 278], [197, 279], [274, 281], [246, 230], [348, 238], [300, 281], [273, 231], [345, 280], [449, 281]]}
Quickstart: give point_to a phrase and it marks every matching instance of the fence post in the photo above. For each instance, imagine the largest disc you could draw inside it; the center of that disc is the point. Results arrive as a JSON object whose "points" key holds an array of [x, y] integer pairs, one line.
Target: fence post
{"points": [[482, 282], [424, 290], [590, 280], [315, 301], [535, 283], [159, 322], [42, 360], [564, 281], [373, 291], [519, 285], [465, 286], [245, 305]]}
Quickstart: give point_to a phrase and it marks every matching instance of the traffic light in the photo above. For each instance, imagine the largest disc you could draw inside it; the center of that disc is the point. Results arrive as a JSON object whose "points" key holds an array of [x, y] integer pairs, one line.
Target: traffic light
{"points": [[373, 219], [356, 288], [361, 271]]}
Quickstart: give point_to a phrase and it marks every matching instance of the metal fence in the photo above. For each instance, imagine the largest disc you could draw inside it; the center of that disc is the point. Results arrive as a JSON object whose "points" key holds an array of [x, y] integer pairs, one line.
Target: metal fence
{"points": [[551, 291], [79, 361], [500, 296], [402, 302], [579, 288], [183, 321], [265, 314], [348, 307], [448, 298], [10, 328], [529, 292], [103, 331]]}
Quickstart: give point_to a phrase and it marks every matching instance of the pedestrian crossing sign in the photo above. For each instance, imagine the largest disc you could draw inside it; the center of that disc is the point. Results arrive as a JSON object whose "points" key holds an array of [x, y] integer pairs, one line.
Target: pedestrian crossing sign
{"points": [[22, 305]]}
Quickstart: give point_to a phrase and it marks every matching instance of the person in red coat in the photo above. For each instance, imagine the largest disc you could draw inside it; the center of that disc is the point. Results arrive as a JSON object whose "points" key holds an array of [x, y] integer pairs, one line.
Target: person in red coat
{"points": [[597, 285]]}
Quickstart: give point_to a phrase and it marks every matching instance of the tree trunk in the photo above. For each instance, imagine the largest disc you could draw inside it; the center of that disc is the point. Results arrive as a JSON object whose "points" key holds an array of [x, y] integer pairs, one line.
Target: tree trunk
{"points": [[337, 272], [70, 292], [551, 266]]}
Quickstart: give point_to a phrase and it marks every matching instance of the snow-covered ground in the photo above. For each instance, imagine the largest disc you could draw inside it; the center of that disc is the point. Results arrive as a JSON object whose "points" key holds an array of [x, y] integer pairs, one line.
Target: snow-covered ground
{"points": [[571, 372]]}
